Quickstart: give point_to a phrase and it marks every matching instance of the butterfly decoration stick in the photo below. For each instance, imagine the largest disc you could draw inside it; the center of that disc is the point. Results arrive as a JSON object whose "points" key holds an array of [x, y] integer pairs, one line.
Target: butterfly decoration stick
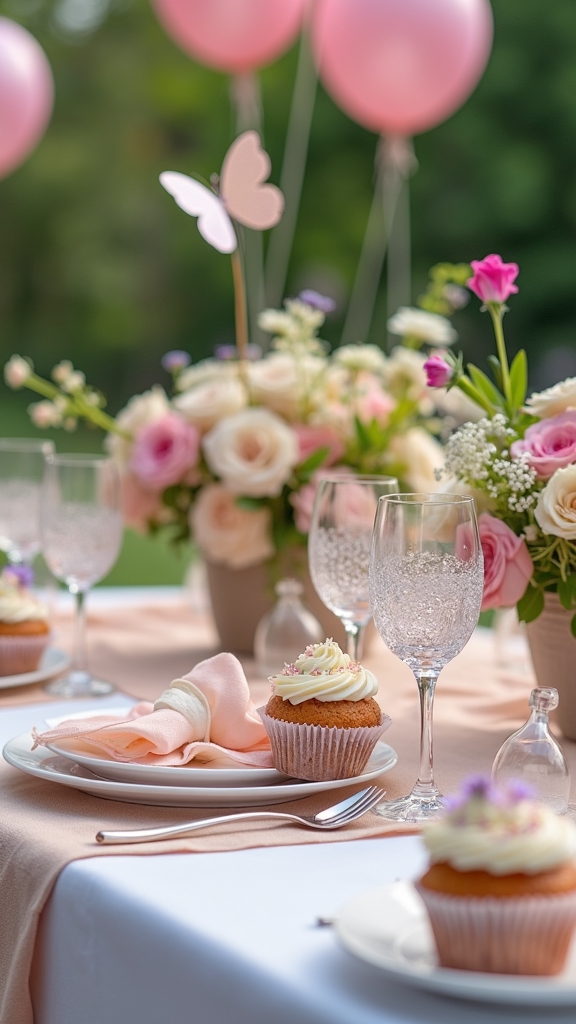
{"points": [[244, 196]]}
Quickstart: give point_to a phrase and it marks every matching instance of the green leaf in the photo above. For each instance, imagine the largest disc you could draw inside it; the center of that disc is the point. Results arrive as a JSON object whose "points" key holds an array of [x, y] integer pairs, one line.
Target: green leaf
{"points": [[485, 385], [519, 379], [250, 504], [496, 370], [531, 604], [305, 469], [567, 592], [362, 435], [573, 626]]}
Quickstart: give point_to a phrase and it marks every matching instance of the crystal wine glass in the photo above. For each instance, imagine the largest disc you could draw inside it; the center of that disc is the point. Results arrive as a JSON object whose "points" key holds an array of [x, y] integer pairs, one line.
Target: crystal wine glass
{"points": [[339, 542], [81, 530], [22, 463], [426, 583]]}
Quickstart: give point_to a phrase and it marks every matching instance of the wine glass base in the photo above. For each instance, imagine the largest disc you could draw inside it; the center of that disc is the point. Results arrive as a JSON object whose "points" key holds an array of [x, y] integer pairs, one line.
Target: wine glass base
{"points": [[411, 808], [79, 684]]}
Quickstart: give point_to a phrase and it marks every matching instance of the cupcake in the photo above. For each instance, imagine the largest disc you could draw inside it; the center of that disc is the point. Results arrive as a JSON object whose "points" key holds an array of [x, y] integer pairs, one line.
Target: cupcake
{"points": [[501, 887], [24, 631], [322, 719]]}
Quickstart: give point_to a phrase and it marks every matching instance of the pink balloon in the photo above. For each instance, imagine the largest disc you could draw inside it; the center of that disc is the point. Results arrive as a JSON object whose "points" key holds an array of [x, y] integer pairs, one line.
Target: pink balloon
{"points": [[235, 36], [401, 66], [26, 94]]}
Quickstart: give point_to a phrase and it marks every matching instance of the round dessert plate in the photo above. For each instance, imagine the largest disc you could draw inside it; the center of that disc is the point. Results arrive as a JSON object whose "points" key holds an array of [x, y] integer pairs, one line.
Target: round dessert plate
{"points": [[388, 927], [45, 765], [192, 774], [52, 663]]}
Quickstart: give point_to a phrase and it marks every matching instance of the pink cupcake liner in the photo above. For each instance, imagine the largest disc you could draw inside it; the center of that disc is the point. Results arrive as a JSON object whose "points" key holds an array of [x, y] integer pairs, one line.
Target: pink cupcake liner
{"points": [[20, 654], [502, 935], [318, 753]]}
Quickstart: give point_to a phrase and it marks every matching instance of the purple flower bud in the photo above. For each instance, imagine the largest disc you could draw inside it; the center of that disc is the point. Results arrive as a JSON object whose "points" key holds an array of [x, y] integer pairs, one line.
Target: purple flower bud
{"points": [[438, 372], [23, 574], [175, 361], [322, 302], [224, 352]]}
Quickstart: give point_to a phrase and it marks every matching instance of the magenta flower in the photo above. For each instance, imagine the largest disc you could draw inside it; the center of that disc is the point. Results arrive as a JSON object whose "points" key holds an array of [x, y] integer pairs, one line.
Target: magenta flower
{"points": [[550, 444], [164, 452], [507, 563], [493, 280], [439, 373]]}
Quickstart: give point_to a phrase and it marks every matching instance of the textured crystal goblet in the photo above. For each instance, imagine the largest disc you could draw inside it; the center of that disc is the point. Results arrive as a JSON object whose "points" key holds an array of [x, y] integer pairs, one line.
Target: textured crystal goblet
{"points": [[426, 583]]}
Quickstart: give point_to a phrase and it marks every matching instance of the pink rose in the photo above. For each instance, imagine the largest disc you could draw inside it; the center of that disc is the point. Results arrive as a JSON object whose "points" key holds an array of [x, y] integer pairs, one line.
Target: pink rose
{"points": [[302, 501], [311, 438], [507, 563], [493, 279], [139, 505], [164, 451], [438, 372], [374, 404], [550, 444]]}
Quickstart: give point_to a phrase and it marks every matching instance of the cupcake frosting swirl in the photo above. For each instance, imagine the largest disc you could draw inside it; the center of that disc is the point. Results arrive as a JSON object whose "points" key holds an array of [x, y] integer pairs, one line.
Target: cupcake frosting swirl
{"points": [[16, 603], [502, 832], [323, 672]]}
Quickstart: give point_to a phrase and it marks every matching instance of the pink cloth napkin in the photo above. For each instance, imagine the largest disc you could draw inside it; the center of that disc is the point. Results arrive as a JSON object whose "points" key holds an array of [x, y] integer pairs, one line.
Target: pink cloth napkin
{"points": [[207, 715]]}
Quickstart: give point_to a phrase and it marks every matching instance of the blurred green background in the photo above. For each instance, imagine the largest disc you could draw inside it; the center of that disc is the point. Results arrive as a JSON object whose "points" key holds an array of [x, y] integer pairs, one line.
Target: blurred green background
{"points": [[98, 265]]}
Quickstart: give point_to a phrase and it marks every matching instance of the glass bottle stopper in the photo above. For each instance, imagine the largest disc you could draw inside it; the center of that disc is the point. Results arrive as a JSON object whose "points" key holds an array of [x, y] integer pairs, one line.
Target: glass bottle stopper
{"points": [[286, 630]]}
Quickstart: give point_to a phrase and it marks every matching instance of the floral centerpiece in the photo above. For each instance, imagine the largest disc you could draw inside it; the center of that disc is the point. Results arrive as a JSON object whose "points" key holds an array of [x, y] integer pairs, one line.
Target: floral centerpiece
{"points": [[232, 457], [519, 461]]}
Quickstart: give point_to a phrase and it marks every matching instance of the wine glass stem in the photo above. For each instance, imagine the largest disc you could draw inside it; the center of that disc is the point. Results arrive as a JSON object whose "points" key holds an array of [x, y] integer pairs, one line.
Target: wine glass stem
{"points": [[354, 640], [79, 656], [426, 687]]}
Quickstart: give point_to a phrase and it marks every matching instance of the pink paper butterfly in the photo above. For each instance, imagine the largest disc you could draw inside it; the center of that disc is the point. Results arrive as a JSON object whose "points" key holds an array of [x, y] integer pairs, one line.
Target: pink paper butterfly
{"points": [[244, 194]]}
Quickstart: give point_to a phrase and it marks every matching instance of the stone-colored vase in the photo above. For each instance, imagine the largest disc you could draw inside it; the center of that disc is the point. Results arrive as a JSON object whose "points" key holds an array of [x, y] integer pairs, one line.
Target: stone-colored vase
{"points": [[553, 650], [240, 597]]}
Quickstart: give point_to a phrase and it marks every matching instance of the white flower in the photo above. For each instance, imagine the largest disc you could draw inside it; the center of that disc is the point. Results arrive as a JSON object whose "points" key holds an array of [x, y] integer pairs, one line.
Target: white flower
{"points": [[421, 455], [531, 533], [45, 414], [207, 369], [275, 321], [404, 371], [74, 382], [228, 534], [62, 371], [360, 357], [208, 403], [553, 400], [294, 328], [141, 410], [427, 327], [281, 382], [556, 509], [253, 452], [16, 372]]}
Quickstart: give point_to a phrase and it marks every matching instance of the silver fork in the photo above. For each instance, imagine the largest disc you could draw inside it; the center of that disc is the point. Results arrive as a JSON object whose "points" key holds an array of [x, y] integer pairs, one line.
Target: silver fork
{"points": [[332, 817]]}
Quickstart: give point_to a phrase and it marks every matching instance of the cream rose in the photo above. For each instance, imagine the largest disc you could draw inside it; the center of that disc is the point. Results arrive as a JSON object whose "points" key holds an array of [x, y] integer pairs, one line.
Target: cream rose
{"points": [[556, 509], [252, 452], [140, 412], [421, 455], [281, 382], [206, 404], [227, 534], [553, 400]]}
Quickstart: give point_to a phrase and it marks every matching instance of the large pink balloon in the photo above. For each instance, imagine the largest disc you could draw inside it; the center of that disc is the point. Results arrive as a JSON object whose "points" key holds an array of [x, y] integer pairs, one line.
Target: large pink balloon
{"points": [[235, 36], [401, 66], [26, 94]]}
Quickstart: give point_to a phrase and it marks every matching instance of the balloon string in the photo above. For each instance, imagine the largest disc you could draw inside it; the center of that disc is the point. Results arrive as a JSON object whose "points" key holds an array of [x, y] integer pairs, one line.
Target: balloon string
{"points": [[247, 102], [292, 174], [394, 161]]}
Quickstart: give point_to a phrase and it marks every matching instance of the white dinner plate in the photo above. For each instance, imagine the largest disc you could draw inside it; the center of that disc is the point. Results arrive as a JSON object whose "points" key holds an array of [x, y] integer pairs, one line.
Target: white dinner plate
{"points": [[52, 663], [165, 775], [388, 927], [46, 765]]}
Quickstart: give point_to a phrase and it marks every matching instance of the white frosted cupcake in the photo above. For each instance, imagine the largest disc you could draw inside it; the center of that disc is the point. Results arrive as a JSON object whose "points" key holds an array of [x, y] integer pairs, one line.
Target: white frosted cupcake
{"points": [[322, 719], [24, 630], [501, 887]]}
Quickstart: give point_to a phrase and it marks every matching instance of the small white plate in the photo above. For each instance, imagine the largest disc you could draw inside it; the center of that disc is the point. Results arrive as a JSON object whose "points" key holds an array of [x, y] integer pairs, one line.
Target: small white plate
{"points": [[389, 928], [166, 775], [45, 765], [52, 663]]}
